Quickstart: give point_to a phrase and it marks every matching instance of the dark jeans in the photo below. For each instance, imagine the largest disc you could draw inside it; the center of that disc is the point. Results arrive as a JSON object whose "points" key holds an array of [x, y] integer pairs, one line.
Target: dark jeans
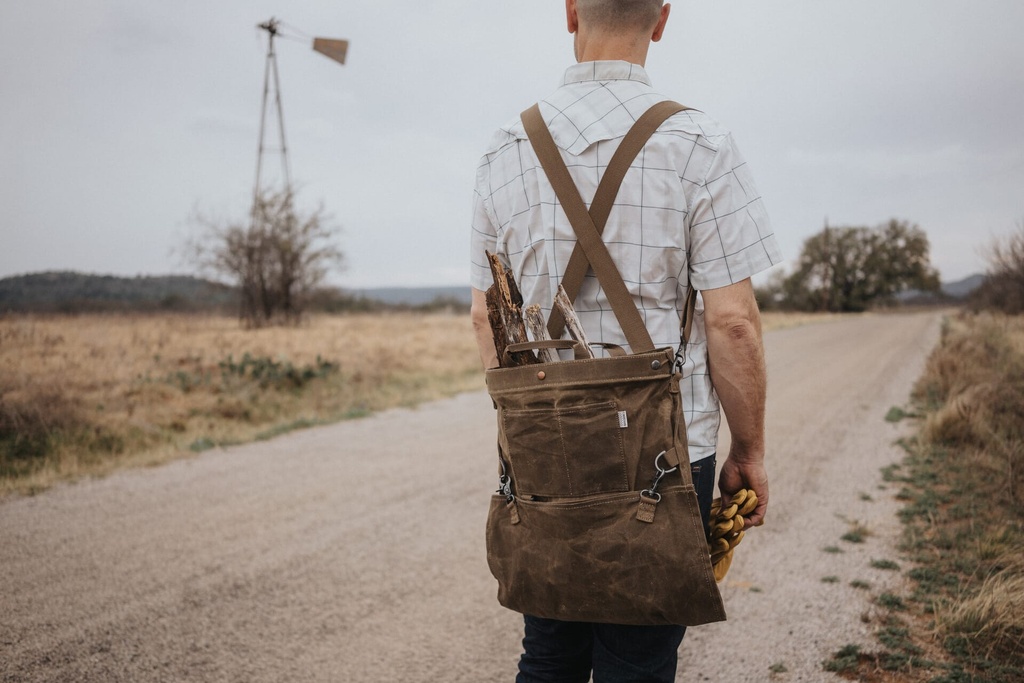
{"points": [[567, 652]]}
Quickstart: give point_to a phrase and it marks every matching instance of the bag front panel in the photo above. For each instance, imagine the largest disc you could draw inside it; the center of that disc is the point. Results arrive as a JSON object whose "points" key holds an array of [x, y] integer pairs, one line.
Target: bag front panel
{"points": [[592, 560]]}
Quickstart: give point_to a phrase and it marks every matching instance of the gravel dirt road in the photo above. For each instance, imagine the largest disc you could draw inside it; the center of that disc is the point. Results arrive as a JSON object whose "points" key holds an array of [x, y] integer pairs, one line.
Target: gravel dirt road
{"points": [[355, 552]]}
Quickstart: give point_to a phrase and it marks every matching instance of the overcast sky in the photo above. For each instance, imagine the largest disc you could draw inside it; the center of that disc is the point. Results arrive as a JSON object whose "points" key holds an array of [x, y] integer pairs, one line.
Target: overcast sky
{"points": [[120, 118]]}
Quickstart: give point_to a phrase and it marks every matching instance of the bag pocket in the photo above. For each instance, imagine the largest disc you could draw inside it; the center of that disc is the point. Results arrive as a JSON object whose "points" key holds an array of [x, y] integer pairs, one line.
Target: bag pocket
{"points": [[566, 451], [592, 560]]}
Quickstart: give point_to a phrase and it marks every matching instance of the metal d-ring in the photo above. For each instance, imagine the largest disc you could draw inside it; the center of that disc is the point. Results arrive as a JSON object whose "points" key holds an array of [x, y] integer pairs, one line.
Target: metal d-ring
{"points": [[661, 472]]}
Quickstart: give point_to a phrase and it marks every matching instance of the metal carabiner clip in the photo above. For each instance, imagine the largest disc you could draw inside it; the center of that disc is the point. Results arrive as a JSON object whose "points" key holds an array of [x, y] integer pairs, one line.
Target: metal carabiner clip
{"points": [[505, 483], [658, 476]]}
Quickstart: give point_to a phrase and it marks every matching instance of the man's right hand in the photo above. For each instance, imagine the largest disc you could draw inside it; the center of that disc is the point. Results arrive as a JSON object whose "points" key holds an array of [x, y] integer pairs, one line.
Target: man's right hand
{"points": [[740, 473]]}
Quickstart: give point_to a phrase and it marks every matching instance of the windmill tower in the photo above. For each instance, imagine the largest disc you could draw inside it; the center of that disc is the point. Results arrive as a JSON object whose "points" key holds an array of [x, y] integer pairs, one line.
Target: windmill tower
{"points": [[332, 48]]}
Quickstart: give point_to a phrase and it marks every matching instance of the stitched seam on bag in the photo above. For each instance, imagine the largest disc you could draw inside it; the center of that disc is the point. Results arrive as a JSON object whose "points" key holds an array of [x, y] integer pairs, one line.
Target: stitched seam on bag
{"points": [[656, 353], [581, 505], [622, 453], [550, 383], [565, 456], [709, 585]]}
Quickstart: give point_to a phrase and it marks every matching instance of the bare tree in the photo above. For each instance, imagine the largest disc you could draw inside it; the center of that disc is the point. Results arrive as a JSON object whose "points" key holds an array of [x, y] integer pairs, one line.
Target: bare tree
{"points": [[276, 258], [1004, 284]]}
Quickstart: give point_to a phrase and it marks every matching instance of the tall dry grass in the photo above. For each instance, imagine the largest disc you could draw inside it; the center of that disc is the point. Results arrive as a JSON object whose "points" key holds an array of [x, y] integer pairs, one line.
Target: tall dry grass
{"points": [[82, 395], [966, 492]]}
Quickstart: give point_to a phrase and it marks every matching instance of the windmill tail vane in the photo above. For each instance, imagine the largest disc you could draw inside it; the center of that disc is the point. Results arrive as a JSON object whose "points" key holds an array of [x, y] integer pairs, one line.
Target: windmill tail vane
{"points": [[332, 48]]}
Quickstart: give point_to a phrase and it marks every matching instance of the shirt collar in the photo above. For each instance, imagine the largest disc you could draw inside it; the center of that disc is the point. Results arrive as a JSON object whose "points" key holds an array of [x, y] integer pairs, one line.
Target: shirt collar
{"points": [[605, 71]]}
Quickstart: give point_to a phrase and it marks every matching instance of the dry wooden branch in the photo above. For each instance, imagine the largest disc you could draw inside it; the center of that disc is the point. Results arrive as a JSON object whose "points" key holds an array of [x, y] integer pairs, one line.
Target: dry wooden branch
{"points": [[497, 325], [572, 322], [509, 300], [537, 327]]}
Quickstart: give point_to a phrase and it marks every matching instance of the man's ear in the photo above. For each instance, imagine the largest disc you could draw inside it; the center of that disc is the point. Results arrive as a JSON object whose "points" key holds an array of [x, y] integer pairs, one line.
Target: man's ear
{"points": [[571, 19], [659, 29]]}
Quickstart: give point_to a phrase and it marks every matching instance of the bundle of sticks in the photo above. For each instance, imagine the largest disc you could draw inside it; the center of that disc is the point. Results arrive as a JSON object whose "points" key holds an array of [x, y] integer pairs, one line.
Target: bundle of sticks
{"points": [[510, 321]]}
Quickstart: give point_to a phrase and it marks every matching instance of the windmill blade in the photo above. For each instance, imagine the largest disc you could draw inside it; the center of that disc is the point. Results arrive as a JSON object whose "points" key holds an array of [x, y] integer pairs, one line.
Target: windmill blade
{"points": [[332, 48]]}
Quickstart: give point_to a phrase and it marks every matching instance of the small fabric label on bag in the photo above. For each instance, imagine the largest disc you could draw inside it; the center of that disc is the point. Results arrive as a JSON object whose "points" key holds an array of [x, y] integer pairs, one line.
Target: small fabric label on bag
{"points": [[623, 422]]}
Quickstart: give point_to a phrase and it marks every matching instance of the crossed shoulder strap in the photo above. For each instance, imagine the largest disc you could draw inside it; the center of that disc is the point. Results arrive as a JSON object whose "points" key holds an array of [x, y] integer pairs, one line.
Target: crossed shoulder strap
{"points": [[590, 250]]}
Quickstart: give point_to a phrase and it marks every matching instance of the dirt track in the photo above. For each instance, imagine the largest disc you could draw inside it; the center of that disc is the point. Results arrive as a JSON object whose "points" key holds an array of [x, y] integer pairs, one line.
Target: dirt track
{"points": [[355, 552]]}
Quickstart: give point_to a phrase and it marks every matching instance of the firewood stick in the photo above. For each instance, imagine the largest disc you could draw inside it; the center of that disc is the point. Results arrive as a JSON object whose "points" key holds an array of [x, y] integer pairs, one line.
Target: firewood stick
{"points": [[509, 299], [539, 330], [572, 322], [498, 333]]}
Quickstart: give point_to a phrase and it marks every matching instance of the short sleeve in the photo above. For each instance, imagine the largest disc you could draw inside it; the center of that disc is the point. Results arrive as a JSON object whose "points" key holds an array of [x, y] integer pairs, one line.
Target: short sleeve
{"points": [[484, 233], [731, 237]]}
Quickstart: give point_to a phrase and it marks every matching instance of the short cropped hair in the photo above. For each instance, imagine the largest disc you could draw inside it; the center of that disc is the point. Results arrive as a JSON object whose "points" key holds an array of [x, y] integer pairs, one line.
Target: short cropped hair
{"points": [[618, 14]]}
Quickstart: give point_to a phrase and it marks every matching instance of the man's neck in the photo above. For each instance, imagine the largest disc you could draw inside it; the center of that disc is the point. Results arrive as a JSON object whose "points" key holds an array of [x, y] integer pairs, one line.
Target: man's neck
{"points": [[595, 48]]}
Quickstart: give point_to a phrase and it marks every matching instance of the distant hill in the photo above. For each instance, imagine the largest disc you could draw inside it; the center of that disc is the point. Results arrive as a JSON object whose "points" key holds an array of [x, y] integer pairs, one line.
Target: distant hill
{"points": [[72, 292], [949, 292], [414, 296], [963, 288]]}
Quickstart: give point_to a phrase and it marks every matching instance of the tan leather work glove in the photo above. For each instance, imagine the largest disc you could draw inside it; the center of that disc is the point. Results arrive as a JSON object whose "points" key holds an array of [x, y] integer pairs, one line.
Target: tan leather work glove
{"points": [[726, 529]]}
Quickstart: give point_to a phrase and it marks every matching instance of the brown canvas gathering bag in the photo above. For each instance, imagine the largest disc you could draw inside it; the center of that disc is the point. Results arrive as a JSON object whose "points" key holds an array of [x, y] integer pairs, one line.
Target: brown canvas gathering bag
{"points": [[596, 518]]}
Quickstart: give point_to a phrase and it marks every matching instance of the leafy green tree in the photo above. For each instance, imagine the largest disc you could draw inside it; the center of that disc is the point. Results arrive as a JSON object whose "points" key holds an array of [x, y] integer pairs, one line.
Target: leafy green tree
{"points": [[852, 268]]}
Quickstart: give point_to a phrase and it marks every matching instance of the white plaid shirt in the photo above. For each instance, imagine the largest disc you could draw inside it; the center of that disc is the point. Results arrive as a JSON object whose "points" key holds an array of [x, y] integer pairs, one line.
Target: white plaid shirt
{"points": [[687, 212]]}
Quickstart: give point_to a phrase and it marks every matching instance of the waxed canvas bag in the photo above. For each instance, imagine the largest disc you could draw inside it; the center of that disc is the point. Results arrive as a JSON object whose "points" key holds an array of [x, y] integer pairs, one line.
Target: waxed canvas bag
{"points": [[596, 518]]}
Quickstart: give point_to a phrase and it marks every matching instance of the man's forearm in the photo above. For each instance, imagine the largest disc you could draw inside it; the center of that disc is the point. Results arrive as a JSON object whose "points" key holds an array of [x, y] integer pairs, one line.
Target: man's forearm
{"points": [[736, 359]]}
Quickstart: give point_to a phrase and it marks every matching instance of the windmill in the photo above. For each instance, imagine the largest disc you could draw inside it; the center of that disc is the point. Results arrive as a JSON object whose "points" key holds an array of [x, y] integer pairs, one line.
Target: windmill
{"points": [[332, 48]]}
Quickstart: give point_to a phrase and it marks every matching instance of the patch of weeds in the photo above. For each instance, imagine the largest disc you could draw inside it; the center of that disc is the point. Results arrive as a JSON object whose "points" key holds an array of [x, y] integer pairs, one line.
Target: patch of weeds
{"points": [[887, 565], [891, 601], [756, 589], [857, 533], [832, 549], [890, 473], [278, 430], [924, 503], [188, 381], [845, 660], [268, 373], [202, 444], [895, 414], [958, 646], [897, 637], [931, 580], [778, 668], [830, 579], [956, 674], [905, 494], [860, 585], [866, 497]]}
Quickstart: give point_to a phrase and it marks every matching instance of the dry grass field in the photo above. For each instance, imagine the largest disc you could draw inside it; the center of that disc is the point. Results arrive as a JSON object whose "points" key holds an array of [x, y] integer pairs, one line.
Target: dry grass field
{"points": [[86, 394], [82, 395]]}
